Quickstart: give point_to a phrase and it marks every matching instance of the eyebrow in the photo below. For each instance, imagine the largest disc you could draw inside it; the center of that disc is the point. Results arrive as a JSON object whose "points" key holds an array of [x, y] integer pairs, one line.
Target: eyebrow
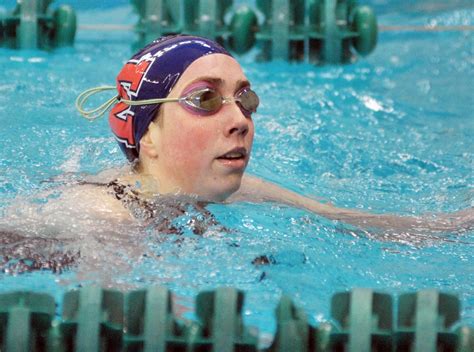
{"points": [[219, 81]]}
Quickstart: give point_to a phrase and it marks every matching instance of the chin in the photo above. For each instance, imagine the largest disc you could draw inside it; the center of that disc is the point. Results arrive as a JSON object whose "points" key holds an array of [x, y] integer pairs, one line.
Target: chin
{"points": [[224, 191]]}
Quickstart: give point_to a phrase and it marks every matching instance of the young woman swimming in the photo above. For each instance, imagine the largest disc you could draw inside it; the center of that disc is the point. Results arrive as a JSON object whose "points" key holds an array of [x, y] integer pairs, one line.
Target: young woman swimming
{"points": [[183, 117]]}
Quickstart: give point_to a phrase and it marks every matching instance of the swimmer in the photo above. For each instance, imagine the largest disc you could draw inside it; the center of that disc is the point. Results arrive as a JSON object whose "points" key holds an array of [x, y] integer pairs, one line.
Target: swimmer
{"points": [[182, 115]]}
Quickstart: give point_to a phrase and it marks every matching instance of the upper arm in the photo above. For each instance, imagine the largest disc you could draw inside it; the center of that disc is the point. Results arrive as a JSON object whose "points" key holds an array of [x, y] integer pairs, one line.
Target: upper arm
{"points": [[254, 189]]}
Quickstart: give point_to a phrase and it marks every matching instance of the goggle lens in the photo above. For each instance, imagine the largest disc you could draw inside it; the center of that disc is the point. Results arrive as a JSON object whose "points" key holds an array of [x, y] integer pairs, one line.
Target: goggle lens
{"points": [[248, 100], [208, 101]]}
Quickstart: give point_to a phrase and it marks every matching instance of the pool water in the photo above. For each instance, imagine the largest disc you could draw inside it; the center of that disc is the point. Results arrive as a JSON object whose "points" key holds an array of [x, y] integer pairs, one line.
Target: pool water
{"points": [[391, 133]]}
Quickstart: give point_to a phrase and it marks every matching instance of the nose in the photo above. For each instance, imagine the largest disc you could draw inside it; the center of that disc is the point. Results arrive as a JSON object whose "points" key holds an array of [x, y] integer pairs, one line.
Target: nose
{"points": [[238, 124]]}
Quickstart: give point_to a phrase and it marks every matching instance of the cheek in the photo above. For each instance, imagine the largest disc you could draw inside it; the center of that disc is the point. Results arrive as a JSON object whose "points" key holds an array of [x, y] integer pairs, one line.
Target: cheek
{"points": [[190, 146]]}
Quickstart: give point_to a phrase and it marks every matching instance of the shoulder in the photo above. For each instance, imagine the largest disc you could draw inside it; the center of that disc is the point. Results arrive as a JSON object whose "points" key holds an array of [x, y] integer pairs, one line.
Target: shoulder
{"points": [[91, 200], [62, 204], [66, 211]]}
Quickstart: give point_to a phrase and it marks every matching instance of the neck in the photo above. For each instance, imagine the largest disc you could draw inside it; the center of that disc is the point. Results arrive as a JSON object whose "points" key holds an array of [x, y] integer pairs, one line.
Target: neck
{"points": [[145, 184]]}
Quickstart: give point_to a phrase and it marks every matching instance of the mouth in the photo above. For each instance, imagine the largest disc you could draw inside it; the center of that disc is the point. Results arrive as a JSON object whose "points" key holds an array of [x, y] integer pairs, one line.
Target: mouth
{"points": [[235, 159], [234, 154]]}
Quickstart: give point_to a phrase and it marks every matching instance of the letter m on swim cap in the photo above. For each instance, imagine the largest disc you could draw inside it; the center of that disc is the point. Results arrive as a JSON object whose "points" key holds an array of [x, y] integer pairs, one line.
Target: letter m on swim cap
{"points": [[121, 117]]}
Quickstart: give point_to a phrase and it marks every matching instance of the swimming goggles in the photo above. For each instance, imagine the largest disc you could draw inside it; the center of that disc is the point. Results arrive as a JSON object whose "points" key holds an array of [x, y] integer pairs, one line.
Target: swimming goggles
{"points": [[202, 100]]}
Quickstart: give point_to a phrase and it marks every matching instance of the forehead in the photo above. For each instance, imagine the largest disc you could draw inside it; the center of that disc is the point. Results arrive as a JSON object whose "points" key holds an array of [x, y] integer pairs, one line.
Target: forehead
{"points": [[220, 67]]}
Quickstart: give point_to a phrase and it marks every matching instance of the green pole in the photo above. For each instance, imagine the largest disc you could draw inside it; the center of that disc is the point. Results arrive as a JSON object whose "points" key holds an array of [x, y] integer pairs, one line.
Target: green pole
{"points": [[153, 20], [19, 330], [332, 44], [88, 329], [280, 29], [426, 321], [360, 316], [28, 29], [207, 18]]}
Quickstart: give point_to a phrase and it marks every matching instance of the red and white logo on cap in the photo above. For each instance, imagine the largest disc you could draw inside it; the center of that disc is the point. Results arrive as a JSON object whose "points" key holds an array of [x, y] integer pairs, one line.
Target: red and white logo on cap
{"points": [[129, 82]]}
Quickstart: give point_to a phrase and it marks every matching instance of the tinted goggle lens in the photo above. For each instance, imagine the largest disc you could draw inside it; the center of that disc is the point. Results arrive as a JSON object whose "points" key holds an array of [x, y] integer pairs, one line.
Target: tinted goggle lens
{"points": [[248, 100], [208, 101]]}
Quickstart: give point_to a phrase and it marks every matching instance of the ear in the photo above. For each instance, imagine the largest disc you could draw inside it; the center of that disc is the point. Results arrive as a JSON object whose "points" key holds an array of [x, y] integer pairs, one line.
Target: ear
{"points": [[147, 144]]}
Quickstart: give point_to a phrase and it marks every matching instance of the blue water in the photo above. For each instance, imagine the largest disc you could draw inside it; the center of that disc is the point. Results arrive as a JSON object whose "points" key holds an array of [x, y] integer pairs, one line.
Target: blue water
{"points": [[391, 133]]}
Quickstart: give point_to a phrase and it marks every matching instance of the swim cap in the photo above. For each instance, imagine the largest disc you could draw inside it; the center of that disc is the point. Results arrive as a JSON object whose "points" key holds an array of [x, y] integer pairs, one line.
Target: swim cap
{"points": [[151, 74]]}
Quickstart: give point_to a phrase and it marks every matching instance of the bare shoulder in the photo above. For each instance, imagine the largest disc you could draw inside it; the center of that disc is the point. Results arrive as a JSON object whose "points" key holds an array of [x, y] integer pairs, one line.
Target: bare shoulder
{"points": [[60, 206], [91, 200]]}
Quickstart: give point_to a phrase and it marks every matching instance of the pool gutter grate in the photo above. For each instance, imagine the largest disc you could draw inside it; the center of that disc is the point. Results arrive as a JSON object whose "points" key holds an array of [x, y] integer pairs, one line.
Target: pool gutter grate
{"points": [[95, 319]]}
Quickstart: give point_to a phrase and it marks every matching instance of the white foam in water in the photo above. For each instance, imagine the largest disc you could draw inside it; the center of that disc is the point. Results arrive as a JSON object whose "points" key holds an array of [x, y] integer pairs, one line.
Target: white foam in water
{"points": [[372, 104], [73, 163]]}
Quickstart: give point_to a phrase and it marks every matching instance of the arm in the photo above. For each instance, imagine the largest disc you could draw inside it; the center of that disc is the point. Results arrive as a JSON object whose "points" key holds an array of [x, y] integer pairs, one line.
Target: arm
{"points": [[257, 190]]}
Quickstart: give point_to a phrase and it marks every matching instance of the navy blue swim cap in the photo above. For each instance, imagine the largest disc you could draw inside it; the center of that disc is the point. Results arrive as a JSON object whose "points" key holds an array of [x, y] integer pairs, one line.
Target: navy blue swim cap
{"points": [[151, 74]]}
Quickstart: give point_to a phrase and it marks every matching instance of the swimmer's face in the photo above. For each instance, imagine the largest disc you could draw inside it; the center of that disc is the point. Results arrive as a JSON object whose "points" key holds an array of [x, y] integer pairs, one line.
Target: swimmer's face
{"points": [[202, 155]]}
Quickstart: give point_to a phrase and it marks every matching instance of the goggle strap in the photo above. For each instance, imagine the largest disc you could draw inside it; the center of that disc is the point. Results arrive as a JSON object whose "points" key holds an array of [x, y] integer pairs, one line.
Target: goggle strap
{"points": [[101, 109], [148, 101]]}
